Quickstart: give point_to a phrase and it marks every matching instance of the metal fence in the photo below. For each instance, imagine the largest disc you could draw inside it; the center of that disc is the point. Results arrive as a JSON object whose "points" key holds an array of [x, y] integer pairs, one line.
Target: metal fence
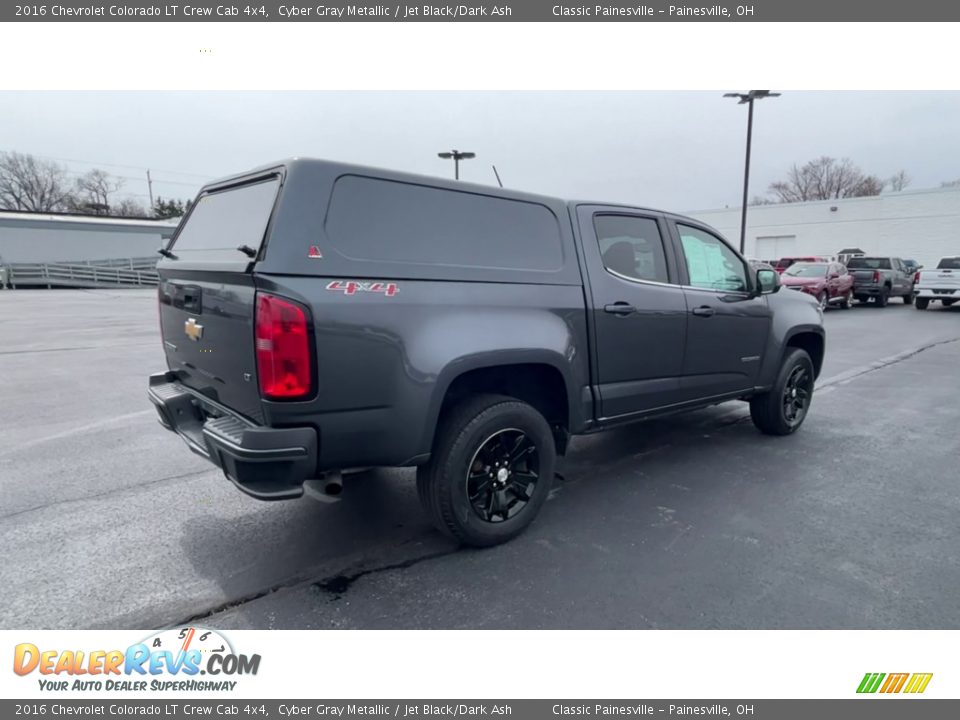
{"points": [[110, 273]]}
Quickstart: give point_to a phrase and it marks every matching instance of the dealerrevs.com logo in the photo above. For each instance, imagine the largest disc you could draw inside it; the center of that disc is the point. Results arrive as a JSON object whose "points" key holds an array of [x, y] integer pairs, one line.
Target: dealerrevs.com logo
{"points": [[170, 660]]}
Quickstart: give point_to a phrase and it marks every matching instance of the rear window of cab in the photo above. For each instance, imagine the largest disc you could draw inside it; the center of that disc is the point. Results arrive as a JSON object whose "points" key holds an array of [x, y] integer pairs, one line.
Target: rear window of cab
{"points": [[372, 219]]}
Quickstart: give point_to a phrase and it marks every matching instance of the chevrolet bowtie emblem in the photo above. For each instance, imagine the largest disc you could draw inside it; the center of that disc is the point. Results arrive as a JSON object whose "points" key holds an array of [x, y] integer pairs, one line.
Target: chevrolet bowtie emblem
{"points": [[193, 329]]}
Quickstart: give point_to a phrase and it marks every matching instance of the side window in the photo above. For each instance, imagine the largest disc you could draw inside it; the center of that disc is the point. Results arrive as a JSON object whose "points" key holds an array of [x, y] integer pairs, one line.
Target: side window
{"points": [[632, 247], [710, 263]]}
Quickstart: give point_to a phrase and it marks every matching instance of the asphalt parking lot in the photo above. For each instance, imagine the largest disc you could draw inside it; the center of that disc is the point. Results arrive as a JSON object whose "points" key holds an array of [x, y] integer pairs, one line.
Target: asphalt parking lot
{"points": [[697, 521]]}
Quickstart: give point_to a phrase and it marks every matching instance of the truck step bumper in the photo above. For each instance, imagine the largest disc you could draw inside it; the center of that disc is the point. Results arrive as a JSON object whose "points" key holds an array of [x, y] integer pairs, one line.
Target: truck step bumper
{"points": [[266, 463]]}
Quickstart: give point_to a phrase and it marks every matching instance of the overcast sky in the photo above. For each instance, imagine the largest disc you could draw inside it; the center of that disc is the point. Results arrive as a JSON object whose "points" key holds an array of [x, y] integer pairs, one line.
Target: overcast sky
{"points": [[677, 151]]}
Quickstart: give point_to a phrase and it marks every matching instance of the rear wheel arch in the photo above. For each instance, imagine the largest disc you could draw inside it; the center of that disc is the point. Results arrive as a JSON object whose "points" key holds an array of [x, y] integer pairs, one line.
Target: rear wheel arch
{"points": [[542, 385]]}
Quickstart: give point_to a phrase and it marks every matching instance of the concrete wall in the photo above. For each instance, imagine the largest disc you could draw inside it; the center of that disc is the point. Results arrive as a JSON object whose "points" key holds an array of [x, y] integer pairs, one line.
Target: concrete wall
{"points": [[26, 238], [923, 225]]}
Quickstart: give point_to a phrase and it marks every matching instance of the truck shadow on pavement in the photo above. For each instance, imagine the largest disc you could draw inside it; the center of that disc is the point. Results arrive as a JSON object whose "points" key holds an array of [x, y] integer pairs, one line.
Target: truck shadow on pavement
{"points": [[379, 526]]}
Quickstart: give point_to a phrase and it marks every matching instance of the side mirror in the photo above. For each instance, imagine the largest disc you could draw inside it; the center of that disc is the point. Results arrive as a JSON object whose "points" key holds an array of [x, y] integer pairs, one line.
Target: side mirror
{"points": [[833, 276], [768, 281]]}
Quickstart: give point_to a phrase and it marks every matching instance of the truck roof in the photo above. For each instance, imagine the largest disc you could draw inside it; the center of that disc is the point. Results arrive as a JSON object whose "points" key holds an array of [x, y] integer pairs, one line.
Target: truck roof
{"points": [[434, 181]]}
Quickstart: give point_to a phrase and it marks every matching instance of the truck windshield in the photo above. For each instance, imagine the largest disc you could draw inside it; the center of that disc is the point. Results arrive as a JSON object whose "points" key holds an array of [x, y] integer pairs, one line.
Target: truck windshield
{"points": [[806, 270], [949, 264], [867, 263]]}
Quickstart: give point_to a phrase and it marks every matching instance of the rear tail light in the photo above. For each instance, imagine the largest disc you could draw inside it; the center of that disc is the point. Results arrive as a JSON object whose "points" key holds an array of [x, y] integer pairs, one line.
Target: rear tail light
{"points": [[876, 276], [284, 359], [916, 277]]}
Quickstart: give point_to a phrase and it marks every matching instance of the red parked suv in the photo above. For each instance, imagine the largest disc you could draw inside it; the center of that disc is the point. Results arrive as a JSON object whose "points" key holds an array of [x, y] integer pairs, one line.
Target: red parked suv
{"points": [[785, 262], [829, 283]]}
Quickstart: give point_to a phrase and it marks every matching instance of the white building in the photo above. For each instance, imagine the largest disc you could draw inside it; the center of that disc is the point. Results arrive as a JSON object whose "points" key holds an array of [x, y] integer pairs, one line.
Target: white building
{"points": [[923, 225], [43, 238]]}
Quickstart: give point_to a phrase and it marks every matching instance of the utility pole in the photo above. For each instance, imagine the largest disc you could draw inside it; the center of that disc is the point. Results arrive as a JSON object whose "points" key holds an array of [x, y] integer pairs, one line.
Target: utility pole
{"points": [[150, 189]]}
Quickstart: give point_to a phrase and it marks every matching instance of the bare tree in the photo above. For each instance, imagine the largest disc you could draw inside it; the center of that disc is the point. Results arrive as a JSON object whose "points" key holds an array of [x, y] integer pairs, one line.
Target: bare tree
{"points": [[825, 178], [130, 207], [899, 181], [93, 192], [27, 183]]}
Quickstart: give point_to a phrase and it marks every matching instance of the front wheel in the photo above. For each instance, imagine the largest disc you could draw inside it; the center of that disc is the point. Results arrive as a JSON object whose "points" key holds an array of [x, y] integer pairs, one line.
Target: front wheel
{"points": [[847, 300], [822, 300], [922, 303], [782, 410], [490, 472]]}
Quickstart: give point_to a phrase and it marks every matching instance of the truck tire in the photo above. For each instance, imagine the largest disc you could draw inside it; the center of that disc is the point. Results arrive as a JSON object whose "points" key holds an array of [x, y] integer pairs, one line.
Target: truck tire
{"points": [[922, 303], [782, 410], [946, 303], [908, 298], [883, 297], [847, 302], [490, 471]]}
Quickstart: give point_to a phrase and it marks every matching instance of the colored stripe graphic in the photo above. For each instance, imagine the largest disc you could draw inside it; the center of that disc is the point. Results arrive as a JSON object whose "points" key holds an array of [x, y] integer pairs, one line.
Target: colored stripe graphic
{"points": [[918, 682], [894, 683], [870, 682]]}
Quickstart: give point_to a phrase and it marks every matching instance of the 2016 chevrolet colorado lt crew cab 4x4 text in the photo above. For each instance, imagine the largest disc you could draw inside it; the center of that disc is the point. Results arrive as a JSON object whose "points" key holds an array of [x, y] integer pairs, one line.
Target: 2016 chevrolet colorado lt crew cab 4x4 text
{"points": [[318, 317]]}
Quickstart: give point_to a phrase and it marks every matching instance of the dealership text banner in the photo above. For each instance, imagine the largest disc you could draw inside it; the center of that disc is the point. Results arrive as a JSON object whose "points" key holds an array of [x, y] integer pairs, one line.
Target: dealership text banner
{"points": [[514, 709], [526, 11]]}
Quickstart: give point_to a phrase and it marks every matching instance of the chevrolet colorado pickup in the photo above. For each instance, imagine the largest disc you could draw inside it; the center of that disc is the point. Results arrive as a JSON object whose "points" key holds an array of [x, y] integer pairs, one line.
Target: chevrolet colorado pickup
{"points": [[319, 317], [941, 284]]}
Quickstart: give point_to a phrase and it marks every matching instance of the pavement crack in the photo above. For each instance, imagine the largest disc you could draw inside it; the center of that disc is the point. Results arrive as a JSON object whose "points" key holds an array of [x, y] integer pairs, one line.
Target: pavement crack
{"points": [[882, 363], [112, 493], [46, 350], [337, 585]]}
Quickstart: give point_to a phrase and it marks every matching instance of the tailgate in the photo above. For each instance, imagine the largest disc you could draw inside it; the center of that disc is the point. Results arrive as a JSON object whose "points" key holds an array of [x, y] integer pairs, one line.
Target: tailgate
{"points": [[207, 294], [945, 279]]}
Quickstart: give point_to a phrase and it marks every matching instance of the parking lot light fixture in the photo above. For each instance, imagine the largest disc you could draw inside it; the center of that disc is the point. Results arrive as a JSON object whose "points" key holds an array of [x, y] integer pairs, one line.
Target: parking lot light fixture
{"points": [[747, 99], [456, 156]]}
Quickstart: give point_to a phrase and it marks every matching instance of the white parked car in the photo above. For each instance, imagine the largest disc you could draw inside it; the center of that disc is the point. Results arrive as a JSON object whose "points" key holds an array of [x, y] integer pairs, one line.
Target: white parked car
{"points": [[941, 284]]}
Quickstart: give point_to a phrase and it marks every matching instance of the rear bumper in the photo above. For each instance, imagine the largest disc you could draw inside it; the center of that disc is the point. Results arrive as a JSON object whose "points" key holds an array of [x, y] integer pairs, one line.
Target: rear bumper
{"points": [[869, 289], [266, 463], [937, 294]]}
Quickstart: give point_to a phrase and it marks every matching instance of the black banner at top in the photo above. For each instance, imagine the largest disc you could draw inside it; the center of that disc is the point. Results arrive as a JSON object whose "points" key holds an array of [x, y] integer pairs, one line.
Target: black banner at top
{"points": [[483, 11]]}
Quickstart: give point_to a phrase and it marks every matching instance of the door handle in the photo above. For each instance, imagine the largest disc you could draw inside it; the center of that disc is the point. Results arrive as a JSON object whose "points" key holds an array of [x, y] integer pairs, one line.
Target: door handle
{"points": [[619, 308], [704, 311]]}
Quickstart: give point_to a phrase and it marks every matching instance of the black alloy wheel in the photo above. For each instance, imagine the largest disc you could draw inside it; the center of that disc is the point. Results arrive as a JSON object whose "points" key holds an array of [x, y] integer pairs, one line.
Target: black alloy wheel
{"points": [[503, 475], [782, 409], [797, 392], [490, 471]]}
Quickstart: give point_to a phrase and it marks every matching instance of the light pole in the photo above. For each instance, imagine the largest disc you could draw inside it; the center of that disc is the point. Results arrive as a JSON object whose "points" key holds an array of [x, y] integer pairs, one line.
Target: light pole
{"points": [[457, 156], [748, 98]]}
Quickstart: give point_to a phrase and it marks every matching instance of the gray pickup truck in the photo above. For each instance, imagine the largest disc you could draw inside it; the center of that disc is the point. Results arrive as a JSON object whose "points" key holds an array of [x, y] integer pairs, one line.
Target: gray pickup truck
{"points": [[880, 278], [319, 317]]}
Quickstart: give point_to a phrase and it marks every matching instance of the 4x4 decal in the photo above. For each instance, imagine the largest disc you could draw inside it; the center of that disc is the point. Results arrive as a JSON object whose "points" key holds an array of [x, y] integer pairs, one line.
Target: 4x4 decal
{"points": [[352, 287]]}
